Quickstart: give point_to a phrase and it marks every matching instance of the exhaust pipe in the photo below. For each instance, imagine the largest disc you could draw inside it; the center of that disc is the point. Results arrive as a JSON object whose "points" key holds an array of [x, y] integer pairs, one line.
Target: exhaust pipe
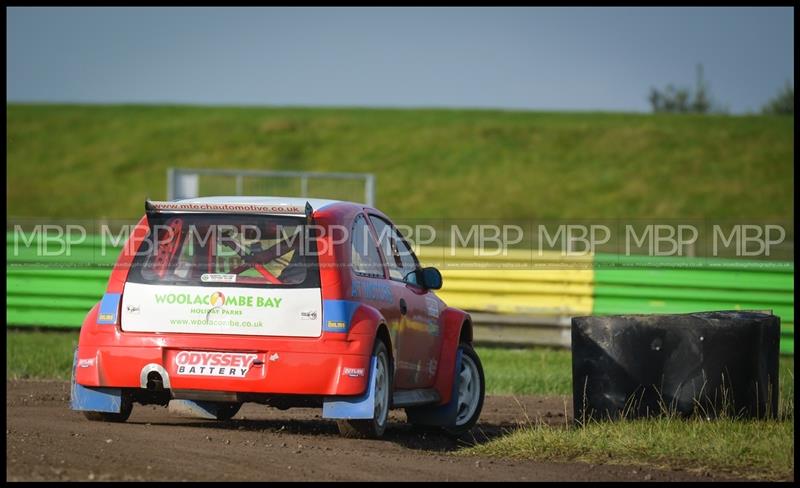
{"points": [[154, 382], [154, 378]]}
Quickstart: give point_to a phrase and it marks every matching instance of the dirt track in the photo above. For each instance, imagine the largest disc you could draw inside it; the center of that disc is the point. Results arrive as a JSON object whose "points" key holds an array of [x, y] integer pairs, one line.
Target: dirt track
{"points": [[47, 441]]}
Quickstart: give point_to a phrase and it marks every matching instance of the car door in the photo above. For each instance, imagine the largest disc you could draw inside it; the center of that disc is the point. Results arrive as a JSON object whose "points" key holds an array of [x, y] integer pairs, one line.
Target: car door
{"points": [[417, 328], [369, 282]]}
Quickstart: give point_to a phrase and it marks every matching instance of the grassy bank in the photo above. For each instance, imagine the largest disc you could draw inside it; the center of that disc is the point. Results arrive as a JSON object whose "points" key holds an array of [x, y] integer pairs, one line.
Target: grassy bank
{"points": [[103, 160]]}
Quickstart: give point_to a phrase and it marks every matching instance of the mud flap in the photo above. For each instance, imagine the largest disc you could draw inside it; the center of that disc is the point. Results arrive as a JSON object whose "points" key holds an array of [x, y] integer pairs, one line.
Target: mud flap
{"points": [[192, 408], [359, 407], [93, 399], [442, 415]]}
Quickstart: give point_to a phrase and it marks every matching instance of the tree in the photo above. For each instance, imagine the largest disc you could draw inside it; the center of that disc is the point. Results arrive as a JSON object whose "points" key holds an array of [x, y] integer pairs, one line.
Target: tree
{"points": [[701, 103], [682, 100], [782, 103], [672, 99]]}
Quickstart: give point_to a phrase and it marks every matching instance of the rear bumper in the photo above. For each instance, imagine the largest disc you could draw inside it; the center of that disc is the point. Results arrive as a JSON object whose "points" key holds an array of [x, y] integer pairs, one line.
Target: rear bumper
{"points": [[281, 370]]}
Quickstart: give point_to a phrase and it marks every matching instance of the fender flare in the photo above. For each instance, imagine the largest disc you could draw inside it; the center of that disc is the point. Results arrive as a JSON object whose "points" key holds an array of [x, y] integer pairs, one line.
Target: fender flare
{"points": [[89, 325], [455, 324], [369, 321]]}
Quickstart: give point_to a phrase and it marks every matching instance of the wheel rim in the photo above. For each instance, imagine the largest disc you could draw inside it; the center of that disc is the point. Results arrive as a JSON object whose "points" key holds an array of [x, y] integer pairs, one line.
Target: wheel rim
{"points": [[469, 390], [381, 391]]}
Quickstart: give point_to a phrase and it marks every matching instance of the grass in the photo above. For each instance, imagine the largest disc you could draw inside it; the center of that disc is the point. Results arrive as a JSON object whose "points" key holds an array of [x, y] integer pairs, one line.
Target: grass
{"points": [[750, 448], [761, 449], [753, 448], [103, 160], [39, 354], [530, 371]]}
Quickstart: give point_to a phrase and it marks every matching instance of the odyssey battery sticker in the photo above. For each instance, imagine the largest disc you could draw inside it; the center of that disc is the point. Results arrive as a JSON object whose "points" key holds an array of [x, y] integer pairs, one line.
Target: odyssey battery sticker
{"points": [[219, 364]]}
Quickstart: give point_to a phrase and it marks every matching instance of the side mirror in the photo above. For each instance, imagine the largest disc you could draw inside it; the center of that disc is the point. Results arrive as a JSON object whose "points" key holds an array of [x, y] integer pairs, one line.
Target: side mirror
{"points": [[431, 278]]}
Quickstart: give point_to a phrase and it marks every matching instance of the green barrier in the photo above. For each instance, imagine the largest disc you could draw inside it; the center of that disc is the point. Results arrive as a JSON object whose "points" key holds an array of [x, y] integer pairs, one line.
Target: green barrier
{"points": [[58, 291], [57, 297], [635, 284], [50, 284]]}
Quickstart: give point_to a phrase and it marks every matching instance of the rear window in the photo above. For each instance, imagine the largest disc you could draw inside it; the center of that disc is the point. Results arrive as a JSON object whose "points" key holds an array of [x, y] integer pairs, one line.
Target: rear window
{"points": [[227, 250]]}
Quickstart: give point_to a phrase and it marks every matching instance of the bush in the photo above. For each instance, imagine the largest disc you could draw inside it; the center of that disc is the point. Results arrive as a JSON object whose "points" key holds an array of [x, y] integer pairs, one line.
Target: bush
{"points": [[782, 103]]}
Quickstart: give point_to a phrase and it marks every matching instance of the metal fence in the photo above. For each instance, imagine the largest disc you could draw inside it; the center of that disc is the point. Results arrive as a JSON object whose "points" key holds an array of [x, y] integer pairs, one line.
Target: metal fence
{"points": [[509, 306], [186, 183]]}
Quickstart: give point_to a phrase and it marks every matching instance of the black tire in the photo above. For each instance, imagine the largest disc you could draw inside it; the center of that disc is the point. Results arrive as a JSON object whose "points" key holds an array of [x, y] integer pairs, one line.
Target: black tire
{"points": [[373, 428], [475, 371], [226, 411], [122, 416], [634, 366]]}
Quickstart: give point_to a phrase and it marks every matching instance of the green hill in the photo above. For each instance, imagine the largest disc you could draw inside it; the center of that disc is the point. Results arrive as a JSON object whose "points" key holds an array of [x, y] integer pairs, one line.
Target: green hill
{"points": [[77, 161]]}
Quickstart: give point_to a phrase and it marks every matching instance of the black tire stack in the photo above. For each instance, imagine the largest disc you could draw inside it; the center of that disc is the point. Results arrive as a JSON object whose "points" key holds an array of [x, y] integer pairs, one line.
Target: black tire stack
{"points": [[707, 363]]}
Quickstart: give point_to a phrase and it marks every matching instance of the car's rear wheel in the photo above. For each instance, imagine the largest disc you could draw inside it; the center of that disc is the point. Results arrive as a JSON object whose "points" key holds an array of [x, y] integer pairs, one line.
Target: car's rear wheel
{"points": [[125, 411], [470, 392], [374, 427]]}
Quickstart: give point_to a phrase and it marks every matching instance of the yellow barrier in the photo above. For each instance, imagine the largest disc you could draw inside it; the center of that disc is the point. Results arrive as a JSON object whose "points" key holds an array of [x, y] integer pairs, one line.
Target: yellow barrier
{"points": [[520, 282]]}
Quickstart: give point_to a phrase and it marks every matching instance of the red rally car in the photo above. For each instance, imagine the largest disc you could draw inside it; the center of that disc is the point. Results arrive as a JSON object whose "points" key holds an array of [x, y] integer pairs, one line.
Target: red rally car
{"points": [[281, 301]]}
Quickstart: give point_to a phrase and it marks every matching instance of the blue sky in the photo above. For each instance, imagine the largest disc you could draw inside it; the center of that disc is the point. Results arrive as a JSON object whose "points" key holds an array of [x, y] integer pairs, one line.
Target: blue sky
{"points": [[513, 58]]}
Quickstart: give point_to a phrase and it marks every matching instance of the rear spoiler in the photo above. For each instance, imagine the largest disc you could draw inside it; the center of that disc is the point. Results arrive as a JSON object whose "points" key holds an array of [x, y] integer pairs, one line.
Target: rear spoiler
{"points": [[244, 208]]}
